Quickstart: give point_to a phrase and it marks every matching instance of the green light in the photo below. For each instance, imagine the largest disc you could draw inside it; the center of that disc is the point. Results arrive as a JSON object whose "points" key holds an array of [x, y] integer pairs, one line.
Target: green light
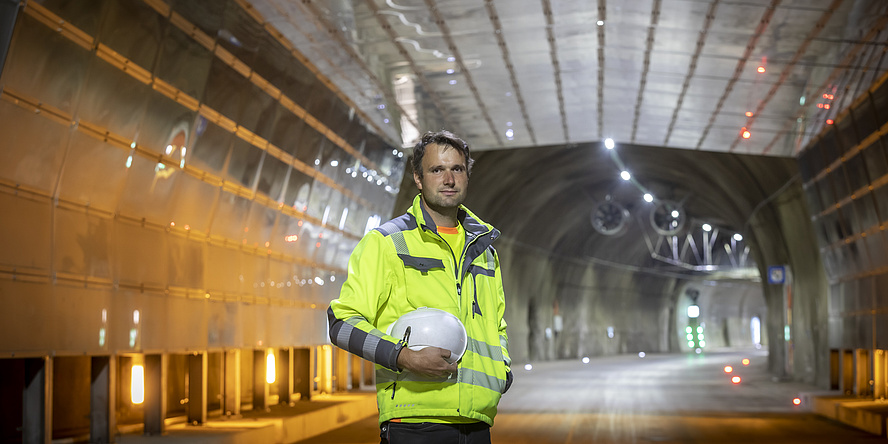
{"points": [[786, 332], [700, 329], [689, 329], [691, 344], [132, 337], [690, 337], [702, 343], [700, 336]]}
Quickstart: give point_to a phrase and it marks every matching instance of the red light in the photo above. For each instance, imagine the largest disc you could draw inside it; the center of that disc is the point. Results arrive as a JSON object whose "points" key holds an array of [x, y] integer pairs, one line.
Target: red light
{"points": [[745, 134], [318, 245], [728, 369], [299, 223], [745, 361], [829, 121], [797, 401], [825, 96], [748, 113], [761, 69], [826, 106], [820, 105], [735, 379], [830, 97]]}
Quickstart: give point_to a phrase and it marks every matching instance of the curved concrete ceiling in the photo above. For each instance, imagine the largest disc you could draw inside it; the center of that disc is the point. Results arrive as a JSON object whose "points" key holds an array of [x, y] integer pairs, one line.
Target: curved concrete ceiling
{"points": [[545, 196]]}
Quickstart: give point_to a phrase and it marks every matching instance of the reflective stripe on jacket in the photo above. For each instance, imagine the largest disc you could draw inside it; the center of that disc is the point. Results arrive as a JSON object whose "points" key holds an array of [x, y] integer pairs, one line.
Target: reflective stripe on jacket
{"points": [[402, 265]]}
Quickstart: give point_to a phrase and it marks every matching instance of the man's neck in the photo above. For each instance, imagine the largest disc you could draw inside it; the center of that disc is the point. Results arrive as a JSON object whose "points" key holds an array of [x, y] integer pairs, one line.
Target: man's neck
{"points": [[442, 217]]}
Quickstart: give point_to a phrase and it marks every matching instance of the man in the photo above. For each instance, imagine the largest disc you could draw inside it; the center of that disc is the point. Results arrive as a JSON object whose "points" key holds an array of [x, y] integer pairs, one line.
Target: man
{"points": [[437, 255]]}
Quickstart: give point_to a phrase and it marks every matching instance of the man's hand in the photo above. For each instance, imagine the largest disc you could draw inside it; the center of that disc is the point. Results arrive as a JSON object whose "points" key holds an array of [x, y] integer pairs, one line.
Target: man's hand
{"points": [[430, 361]]}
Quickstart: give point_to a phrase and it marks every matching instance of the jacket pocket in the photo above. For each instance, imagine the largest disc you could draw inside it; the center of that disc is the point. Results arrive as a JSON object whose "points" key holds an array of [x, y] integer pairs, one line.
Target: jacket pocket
{"points": [[423, 264]]}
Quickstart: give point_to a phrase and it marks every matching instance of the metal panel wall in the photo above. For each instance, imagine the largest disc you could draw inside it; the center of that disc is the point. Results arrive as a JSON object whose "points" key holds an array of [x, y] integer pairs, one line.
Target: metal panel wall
{"points": [[845, 172], [173, 178]]}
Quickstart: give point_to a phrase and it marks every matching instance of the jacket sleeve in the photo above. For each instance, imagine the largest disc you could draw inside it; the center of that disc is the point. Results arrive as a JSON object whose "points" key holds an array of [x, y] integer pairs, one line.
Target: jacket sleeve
{"points": [[501, 313], [352, 317]]}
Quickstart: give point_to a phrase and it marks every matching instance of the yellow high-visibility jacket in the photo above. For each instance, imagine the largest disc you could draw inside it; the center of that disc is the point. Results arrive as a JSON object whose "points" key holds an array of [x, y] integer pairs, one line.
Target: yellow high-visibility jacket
{"points": [[405, 264]]}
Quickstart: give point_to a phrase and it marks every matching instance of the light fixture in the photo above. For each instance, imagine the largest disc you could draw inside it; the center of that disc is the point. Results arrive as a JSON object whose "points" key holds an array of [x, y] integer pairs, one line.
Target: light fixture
{"points": [[707, 228], [738, 237], [748, 113], [625, 175], [137, 384], [693, 311], [269, 367], [600, 23], [744, 133], [648, 197], [609, 143], [829, 121], [760, 69]]}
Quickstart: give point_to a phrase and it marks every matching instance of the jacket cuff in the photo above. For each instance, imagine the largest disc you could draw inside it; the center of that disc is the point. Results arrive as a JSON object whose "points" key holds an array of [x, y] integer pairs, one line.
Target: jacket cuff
{"points": [[392, 360]]}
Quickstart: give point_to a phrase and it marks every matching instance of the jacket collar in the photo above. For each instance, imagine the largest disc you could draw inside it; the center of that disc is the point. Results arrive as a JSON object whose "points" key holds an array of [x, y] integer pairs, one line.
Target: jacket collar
{"points": [[473, 225]]}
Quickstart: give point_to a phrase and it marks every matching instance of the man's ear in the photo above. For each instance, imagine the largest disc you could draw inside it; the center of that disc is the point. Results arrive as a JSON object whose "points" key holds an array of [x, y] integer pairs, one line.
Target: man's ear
{"points": [[417, 181]]}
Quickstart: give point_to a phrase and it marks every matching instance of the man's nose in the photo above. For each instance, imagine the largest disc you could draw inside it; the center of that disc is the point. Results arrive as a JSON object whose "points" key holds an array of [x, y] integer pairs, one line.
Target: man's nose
{"points": [[449, 178]]}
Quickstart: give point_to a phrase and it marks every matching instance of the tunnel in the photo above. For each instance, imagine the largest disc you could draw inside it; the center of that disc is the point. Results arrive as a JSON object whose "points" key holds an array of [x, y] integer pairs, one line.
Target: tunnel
{"points": [[683, 187]]}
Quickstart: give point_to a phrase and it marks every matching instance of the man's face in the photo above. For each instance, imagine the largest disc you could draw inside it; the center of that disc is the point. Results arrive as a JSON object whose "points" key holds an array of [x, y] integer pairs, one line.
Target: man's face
{"points": [[445, 178]]}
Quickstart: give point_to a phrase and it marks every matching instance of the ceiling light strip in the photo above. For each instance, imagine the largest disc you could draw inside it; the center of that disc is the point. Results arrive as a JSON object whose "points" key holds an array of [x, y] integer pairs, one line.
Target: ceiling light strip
{"points": [[403, 51], [498, 28], [445, 31], [649, 45], [701, 42], [741, 63], [821, 23], [556, 66], [322, 23]]}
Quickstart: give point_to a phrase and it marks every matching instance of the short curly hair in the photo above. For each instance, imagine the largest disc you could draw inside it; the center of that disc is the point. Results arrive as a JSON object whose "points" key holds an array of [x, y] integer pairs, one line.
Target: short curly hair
{"points": [[442, 137]]}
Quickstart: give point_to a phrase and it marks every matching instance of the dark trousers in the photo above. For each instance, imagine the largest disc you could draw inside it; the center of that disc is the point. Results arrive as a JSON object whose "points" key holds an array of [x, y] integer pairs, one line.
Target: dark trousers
{"points": [[433, 433]]}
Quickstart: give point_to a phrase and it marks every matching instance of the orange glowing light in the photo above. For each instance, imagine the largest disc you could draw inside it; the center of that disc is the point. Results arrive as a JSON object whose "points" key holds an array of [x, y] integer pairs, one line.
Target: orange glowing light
{"points": [[831, 97], [267, 244], [291, 238], [825, 95], [728, 369], [299, 223], [829, 121], [797, 401], [748, 113], [735, 379], [318, 245], [761, 69], [745, 361], [187, 227], [820, 105], [826, 106], [172, 224], [745, 134], [246, 229]]}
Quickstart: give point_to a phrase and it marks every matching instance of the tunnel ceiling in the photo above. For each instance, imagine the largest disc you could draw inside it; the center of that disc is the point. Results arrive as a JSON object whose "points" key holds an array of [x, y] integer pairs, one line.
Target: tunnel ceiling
{"points": [[671, 73], [672, 82]]}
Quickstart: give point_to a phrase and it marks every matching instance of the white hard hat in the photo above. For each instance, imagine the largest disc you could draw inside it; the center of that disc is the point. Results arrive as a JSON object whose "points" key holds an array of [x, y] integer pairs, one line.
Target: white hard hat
{"points": [[432, 327]]}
